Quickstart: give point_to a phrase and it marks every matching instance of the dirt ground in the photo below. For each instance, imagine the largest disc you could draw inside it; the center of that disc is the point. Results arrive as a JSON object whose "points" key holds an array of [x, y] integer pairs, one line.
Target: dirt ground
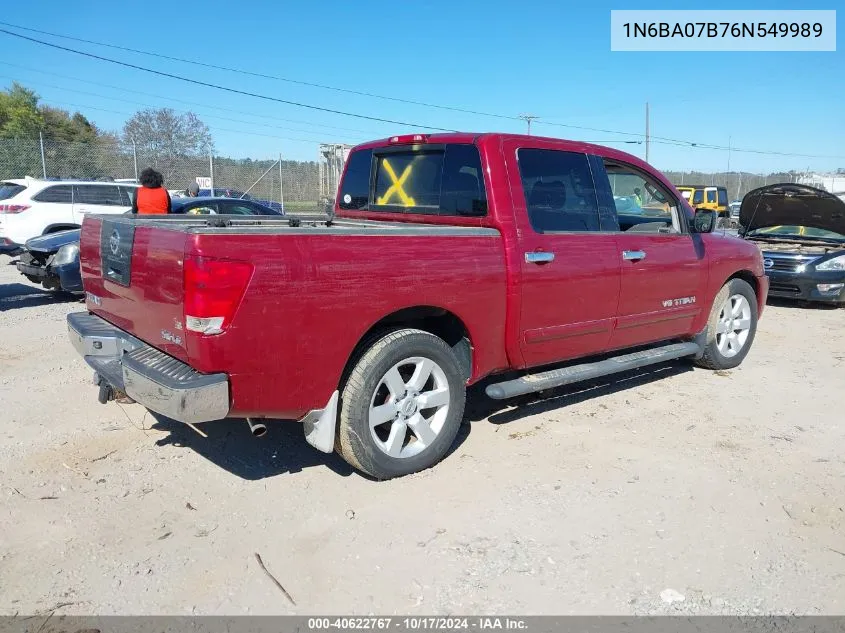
{"points": [[667, 491]]}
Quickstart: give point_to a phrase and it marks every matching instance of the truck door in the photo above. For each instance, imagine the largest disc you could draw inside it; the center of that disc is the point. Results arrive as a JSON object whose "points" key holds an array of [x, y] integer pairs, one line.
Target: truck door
{"points": [[569, 269], [663, 272]]}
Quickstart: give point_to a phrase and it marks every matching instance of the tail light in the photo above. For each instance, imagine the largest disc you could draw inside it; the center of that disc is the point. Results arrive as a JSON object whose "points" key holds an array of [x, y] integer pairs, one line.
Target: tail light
{"points": [[213, 291], [13, 208]]}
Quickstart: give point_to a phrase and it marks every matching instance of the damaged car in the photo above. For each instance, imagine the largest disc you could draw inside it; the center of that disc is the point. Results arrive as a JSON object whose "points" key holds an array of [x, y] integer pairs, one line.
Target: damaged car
{"points": [[53, 261], [801, 233]]}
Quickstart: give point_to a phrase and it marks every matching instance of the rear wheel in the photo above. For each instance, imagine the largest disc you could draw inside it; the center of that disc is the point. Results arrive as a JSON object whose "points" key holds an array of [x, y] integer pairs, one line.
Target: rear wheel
{"points": [[402, 405], [731, 327]]}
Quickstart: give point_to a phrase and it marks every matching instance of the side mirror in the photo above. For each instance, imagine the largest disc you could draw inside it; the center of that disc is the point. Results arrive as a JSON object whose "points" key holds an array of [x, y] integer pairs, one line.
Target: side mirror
{"points": [[704, 221]]}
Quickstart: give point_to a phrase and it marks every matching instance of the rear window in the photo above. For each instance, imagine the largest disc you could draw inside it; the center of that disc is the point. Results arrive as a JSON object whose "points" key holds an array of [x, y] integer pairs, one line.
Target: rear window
{"points": [[9, 190], [56, 193], [441, 180], [723, 197]]}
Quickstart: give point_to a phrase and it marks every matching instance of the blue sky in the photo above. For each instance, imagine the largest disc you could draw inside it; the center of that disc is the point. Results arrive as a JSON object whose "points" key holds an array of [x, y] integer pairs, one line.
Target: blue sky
{"points": [[548, 59]]}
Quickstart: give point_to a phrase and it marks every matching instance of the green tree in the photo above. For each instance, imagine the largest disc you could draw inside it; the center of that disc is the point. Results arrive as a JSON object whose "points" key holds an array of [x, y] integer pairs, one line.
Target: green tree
{"points": [[19, 114]]}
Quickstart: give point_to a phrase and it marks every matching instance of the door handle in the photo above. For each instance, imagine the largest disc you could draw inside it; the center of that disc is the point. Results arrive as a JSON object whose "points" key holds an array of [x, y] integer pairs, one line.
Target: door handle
{"points": [[539, 257], [633, 256]]}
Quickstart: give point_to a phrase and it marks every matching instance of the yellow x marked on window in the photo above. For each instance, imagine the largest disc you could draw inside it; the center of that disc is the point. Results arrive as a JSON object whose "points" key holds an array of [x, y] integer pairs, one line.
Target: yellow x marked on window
{"points": [[397, 186]]}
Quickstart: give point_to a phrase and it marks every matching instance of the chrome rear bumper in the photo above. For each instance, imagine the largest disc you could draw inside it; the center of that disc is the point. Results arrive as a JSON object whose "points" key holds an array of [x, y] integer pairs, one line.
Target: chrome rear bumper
{"points": [[150, 377]]}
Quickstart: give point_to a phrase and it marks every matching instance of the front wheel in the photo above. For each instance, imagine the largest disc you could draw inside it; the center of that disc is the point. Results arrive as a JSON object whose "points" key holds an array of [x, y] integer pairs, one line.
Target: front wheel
{"points": [[731, 327], [402, 405]]}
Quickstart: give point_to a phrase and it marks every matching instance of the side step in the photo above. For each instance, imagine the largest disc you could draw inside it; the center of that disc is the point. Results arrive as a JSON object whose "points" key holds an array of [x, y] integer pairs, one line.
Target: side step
{"points": [[588, 371]]}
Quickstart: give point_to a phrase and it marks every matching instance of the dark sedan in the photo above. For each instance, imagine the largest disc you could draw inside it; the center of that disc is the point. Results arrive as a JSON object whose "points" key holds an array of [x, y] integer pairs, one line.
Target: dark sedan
{"points": [[801, 233], [53, 260]]}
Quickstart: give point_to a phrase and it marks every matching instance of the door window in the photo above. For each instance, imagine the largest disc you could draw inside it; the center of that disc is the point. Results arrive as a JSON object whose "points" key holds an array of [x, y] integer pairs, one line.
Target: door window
{"points": [[559, 192], [723, 197], [711, 196], [106, 195], [698, 197], [641, 203]]}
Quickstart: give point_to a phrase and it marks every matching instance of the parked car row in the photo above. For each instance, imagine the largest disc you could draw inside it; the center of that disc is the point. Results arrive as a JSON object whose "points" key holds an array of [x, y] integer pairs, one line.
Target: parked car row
{"points": [[225, 192], [30, 207], [52, 260]]}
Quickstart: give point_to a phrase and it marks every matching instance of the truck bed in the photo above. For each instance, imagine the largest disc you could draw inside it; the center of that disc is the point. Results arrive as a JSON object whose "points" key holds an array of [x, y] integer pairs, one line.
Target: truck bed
{"points": [[314, 291]]}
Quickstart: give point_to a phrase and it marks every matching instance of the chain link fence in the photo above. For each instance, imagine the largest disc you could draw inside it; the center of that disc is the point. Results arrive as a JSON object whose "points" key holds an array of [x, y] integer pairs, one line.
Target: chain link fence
{"points": [[737, 183], [295, 184], [301, 186]]}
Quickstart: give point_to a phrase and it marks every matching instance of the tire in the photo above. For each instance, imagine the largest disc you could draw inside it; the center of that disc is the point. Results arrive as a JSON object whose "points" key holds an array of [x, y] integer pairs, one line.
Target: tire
{"points": [[411, 437], [731, 326]]}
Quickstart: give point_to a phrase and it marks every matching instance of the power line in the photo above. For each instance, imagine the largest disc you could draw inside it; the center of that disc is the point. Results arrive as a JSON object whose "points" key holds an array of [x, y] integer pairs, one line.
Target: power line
{"points": [[263, 75], [219, 87], [146, 105], [192, 103], [656, 139]]}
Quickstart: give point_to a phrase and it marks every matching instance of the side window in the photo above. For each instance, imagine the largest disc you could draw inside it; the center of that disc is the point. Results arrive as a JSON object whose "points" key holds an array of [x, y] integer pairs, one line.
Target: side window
{"points": [[711, 195], [697, 197], [723, 197], [237, 209], [559, 190], [462, 189], [355, 190], [56, 193], [207, 208], [107, 195], [642, 204]]}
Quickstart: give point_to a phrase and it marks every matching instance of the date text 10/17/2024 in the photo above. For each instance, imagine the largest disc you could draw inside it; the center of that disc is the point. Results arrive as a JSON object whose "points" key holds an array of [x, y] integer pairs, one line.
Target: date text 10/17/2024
{"points": [[418, 624]]}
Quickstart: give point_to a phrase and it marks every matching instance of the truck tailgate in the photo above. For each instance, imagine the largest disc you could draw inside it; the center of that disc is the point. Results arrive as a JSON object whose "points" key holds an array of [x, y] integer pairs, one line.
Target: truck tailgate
{"points": [[133, 278]]}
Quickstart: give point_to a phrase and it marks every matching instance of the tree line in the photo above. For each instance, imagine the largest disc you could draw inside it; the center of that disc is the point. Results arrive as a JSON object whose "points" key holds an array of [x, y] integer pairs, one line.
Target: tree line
{"points": [[178, 145]]}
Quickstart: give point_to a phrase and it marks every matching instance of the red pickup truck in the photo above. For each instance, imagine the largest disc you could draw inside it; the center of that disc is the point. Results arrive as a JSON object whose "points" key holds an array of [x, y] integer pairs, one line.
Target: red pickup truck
{"points": [[448, 258]]}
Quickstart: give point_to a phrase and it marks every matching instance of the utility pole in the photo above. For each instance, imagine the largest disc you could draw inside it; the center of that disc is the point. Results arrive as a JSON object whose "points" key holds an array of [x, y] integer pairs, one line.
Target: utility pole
{"points": [[135, 158], [43, 160], [528, 118], [647, 137]]}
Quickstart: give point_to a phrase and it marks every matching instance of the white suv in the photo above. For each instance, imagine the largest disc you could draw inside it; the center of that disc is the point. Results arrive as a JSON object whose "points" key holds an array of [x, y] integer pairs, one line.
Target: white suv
{"points": [[30, 207]]}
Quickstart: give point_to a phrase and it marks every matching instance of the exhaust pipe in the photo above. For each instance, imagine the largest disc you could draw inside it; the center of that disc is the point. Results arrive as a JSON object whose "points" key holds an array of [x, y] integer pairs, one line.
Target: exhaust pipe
{"points": [[256, 428]]}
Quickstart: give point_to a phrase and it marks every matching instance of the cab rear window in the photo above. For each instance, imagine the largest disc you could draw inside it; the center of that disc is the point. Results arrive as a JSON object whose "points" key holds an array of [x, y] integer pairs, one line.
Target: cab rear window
{"points": [[438, 180]]}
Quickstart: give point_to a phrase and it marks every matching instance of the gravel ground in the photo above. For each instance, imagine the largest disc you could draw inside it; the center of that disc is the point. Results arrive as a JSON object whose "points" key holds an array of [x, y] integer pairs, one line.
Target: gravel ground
{"points": [[667, 491]]}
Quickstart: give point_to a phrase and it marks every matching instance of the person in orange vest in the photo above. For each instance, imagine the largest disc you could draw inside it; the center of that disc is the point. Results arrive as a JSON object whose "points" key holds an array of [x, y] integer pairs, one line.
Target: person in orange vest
{"points": [[151, 198]]}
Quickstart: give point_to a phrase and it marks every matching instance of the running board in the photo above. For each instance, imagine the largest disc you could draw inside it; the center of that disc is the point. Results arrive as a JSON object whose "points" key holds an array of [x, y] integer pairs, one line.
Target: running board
{"points": [[588, 371]]}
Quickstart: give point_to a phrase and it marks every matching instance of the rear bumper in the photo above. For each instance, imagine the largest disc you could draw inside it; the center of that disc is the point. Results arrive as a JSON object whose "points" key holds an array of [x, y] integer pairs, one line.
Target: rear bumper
{"points": [[150, 377], [804, 286]]}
